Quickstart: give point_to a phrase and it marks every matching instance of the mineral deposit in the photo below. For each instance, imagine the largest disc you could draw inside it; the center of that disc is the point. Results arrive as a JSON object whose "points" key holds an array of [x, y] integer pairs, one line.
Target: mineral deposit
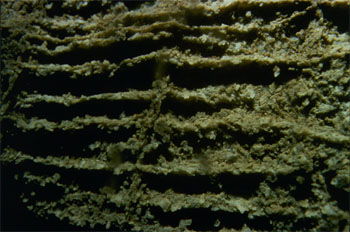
{"points": [[179, 115]]}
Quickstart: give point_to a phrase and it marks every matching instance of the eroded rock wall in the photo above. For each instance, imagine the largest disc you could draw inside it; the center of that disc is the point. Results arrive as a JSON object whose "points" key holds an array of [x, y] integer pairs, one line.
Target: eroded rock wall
{"points": [[179, 115]]}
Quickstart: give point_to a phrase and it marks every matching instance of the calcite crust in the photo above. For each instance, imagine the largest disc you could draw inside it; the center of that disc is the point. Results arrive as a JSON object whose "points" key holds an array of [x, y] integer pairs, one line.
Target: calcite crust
{"points": [[179, 115]]}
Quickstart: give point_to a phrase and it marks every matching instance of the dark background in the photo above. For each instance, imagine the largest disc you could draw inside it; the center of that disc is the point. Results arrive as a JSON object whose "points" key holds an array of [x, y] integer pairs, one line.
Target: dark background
{"points": [[14, 214]]}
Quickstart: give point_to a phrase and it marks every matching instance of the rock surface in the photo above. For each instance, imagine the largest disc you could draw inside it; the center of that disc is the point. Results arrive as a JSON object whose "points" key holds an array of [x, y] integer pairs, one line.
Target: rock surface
{"points": [[179, 115]]}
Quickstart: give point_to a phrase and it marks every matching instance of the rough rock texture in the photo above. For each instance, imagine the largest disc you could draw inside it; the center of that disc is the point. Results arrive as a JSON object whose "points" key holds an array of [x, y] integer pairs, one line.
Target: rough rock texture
{"points": [[179, 115]]}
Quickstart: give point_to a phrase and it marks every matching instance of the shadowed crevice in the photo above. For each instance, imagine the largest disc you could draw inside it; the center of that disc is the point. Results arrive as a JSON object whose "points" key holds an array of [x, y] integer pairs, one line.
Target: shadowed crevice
{"points": [[243, 185], [254, 74], [140, 77], [204, 219], [72, 142], [112, 109]]}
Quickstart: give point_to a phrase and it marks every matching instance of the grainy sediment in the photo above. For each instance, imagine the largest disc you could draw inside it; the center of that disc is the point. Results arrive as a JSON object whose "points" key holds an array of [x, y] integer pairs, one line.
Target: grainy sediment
{"points": [[179, 115]]}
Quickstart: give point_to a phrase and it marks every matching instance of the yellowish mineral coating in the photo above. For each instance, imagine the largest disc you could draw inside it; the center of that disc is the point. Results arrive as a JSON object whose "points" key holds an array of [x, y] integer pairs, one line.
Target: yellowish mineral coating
{"points": [[180, 115]]}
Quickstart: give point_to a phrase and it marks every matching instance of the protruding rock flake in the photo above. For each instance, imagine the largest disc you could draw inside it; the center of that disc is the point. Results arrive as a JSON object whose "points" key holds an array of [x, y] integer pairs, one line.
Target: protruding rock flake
{"points": [[184, 115]]}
